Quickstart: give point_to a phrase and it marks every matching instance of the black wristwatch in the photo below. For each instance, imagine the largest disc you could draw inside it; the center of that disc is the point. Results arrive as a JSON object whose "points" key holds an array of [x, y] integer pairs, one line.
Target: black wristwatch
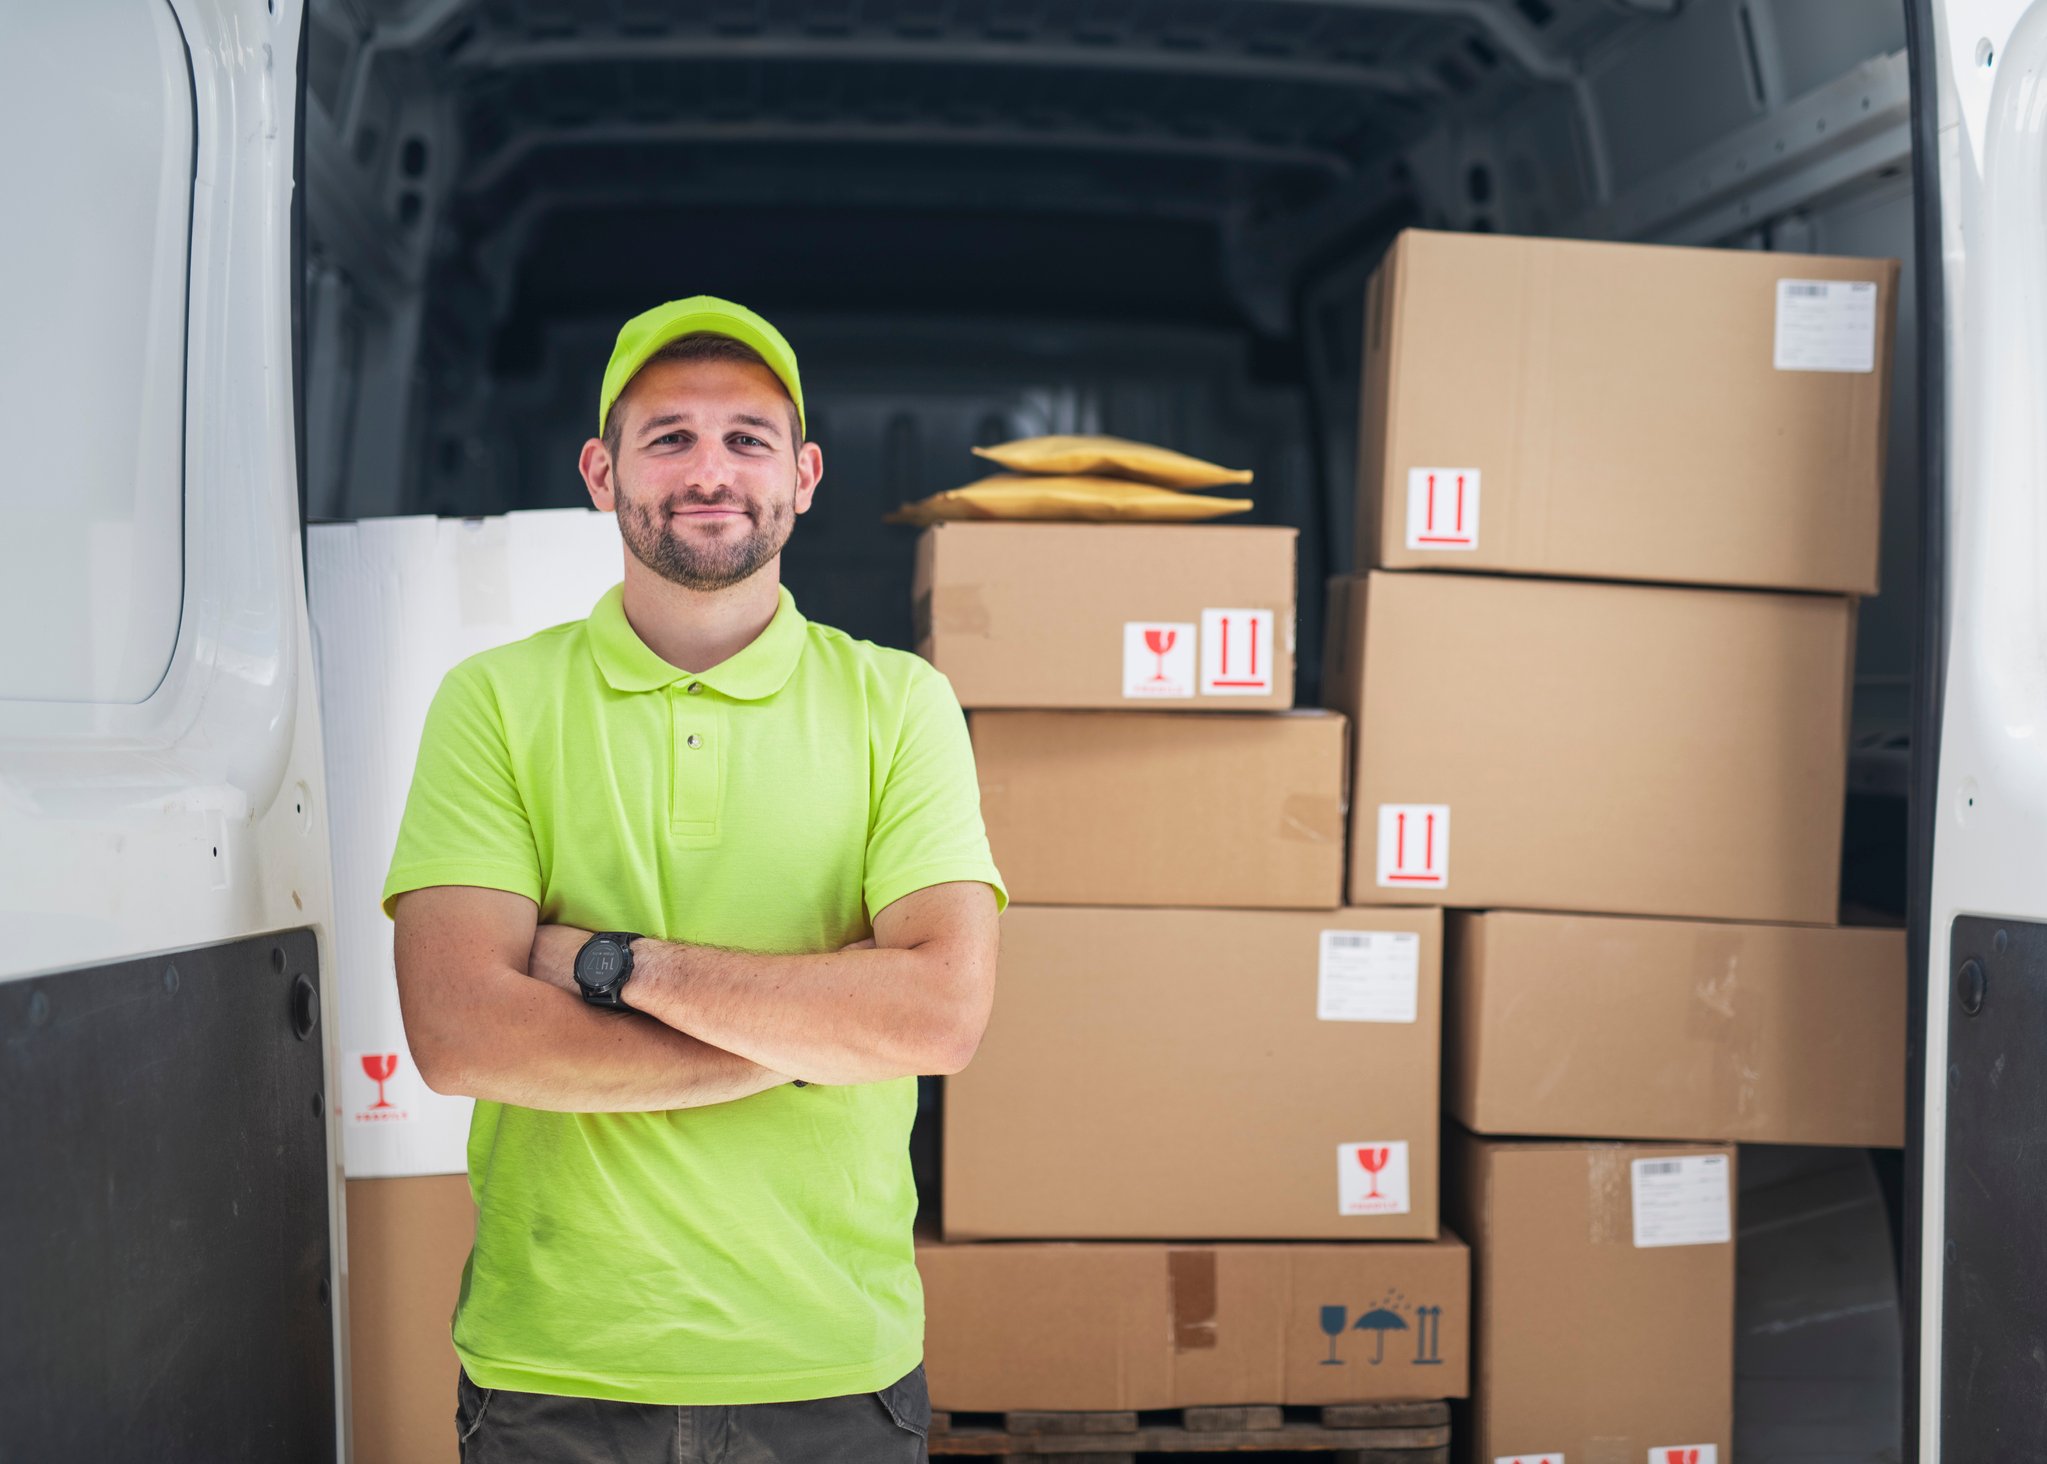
{"points": [[603, 966]]}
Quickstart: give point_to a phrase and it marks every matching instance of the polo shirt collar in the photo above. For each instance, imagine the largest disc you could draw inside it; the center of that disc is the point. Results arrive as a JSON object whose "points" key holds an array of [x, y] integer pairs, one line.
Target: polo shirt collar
{"points": [[759, 670]]}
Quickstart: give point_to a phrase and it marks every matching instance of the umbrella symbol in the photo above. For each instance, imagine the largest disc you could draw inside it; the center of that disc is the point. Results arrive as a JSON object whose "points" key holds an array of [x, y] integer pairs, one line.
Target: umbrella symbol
{"points": [[1382, 1321]]}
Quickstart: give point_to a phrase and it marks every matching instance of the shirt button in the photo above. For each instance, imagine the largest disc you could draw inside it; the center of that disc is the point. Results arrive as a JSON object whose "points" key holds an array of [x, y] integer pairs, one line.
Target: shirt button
{"points": [[696, 688], [695, 741]]}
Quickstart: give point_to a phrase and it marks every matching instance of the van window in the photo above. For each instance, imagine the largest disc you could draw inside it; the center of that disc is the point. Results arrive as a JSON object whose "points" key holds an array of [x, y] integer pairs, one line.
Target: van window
{"points": [[96, 107]]}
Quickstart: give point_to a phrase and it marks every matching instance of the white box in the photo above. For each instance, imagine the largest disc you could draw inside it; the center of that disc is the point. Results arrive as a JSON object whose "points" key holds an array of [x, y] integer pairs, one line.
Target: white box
{"points": [[395, 604]]}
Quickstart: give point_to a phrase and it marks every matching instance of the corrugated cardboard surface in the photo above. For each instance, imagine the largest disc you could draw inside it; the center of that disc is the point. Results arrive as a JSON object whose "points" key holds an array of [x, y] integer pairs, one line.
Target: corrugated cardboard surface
{"points": [[1162, 808], [1585, 1344], [1014, 1325], [1620, 749], [1668, 1029], [1164, 1073], [407, 1241], [1032, 615], [1622, 406]]}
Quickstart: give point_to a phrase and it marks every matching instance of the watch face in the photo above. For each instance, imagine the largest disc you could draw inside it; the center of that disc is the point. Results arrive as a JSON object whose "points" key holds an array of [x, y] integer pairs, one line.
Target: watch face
{"points": [[599, 965]]}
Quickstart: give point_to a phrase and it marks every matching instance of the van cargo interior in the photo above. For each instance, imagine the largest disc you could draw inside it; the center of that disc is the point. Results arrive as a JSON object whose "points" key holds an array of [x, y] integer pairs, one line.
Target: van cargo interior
{"points": [[985, 219]]}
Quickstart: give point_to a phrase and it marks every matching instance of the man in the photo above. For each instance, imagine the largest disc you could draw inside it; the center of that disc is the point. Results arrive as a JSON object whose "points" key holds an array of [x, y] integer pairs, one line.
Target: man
{"points": [[686, 895]]}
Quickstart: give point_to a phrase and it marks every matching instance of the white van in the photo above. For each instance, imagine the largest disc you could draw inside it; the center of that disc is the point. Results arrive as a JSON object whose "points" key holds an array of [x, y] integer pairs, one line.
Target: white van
{"points": [[269, 262]]}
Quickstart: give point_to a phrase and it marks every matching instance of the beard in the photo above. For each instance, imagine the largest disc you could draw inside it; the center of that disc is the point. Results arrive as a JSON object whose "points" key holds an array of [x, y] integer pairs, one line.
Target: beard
{"points": [[716, 565]]}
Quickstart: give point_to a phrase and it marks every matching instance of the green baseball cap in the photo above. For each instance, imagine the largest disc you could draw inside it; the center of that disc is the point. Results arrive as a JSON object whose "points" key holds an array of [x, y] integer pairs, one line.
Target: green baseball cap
{"points": [[647, 332]]}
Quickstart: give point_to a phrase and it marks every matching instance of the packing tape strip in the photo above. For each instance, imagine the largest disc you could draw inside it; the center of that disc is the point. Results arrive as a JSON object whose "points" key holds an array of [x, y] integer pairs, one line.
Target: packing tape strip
{"points": [[1190, 1279]]}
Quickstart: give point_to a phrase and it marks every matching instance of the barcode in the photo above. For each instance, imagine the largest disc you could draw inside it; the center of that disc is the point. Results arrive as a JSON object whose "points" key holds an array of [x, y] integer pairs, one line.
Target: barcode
{"points": [[1792, 287], [1348, 939], [1659, 1166]]}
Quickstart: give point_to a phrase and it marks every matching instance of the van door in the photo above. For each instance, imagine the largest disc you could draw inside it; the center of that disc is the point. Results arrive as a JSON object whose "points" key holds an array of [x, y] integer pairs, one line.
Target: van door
{"points": [[168, 1276], [1981, 800]]}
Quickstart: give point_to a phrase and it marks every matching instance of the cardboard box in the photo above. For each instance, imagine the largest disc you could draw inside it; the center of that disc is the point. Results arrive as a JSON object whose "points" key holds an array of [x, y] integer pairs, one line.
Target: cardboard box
{"points": [[407, 1242], [395, 603], [1158, 808], [1625, 411], [1198, 617], [1603, 1298], [1672, 1029], [1624, 749], [1202, 1074], [1052, 1325]]}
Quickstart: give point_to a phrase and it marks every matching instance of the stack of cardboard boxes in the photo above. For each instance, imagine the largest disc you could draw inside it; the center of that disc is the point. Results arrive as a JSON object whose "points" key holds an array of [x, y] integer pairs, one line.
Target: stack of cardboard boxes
{"points": [[1616, 505], [1195, 1160]]}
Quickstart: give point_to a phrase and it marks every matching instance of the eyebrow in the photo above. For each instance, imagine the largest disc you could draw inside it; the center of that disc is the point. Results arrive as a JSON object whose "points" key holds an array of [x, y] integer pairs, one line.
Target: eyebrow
{"points": [[655, 425]]}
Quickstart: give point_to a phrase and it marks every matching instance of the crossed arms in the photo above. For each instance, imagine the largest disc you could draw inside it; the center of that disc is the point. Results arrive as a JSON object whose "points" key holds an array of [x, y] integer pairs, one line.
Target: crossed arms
{"points": [[491, 1009]]}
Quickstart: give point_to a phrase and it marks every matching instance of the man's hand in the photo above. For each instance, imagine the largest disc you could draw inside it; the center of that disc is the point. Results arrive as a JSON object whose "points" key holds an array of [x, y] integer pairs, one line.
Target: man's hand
{"points": [[553, 958]]}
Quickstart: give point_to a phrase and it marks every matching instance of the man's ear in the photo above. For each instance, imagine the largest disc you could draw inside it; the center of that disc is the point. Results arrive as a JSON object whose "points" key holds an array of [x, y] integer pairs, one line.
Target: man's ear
{"points": [[809, 470], [596, 466]]}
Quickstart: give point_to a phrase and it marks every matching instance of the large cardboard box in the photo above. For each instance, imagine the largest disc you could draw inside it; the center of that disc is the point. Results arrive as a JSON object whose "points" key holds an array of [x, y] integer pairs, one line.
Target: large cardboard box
{"points": [[1603, 1299], [1199, 617], [1622, 749], [1625, 411], [1157, 808], [1064, 1325], [395, 603], [1206, 1074], [1595, 1027], [407, 1242]]}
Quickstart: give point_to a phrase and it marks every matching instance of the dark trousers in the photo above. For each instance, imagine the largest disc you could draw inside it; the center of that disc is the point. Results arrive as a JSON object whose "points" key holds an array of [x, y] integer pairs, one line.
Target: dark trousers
{"points": [[497, 1426]]}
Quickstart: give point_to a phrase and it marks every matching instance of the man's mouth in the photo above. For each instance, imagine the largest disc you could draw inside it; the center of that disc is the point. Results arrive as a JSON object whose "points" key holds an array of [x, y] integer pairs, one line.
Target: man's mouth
{"points": [[710, 511]]}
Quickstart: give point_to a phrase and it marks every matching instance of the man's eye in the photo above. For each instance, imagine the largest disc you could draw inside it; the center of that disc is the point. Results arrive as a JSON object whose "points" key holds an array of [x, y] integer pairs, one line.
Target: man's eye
{"points": [[666, 437], [744, 441]]}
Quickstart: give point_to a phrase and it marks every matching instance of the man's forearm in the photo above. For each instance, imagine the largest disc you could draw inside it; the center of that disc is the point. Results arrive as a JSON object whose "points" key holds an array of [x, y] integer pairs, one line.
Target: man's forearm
{"points": [[850, 1016], [520, 1041]]}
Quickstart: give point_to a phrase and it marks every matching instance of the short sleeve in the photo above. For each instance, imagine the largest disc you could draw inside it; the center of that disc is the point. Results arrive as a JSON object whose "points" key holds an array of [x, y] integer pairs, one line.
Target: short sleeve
{"points": [[927, 826], [465, 822]]}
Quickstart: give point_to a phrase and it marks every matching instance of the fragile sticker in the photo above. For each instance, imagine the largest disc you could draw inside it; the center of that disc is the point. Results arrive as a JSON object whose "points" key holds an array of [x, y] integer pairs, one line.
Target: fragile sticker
{"points": [[1371, 1179], [1682, 1201], [1368, 976], [1528, 1459], [1236, 653], [1158, 660], [1826, 325], [1442, 508], [378, 1087], [1685, 1454], [1414, 845]]}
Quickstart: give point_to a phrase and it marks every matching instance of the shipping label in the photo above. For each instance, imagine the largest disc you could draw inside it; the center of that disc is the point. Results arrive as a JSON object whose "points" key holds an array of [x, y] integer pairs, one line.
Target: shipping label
{"points": [[1414, 845], [1682, 1201], [1685, 1454], [1371, 1178], [1368, 976], [1826, 325], [1442, 508], [1236, 653], [1158, 660]]}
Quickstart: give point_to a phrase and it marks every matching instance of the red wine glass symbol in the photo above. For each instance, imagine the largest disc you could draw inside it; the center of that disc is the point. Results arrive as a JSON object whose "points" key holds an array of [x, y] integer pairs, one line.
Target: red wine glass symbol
{"points": [[1158, 642], [378, 1067], [1373, 1161]]}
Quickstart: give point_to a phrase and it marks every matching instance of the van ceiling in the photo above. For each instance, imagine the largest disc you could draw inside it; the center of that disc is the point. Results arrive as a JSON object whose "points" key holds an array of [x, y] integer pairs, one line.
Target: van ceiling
{"points": [[1173, 160]]}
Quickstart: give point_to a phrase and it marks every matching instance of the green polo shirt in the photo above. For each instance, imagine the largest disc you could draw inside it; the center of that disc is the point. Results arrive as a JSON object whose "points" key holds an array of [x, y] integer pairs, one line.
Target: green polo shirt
{"points": [[756, 1251]]}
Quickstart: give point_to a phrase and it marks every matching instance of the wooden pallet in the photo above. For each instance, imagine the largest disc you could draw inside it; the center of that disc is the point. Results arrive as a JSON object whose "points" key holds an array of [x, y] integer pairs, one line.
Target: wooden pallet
{"points": [[1345, 1433]]}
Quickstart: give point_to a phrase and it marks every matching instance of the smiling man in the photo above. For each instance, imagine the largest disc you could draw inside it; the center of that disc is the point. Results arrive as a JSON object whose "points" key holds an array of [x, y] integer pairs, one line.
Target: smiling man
{"points": [[686, 895]]}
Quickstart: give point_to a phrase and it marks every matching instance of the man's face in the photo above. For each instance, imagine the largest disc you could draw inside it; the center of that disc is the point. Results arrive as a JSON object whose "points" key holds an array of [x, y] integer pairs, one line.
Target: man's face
{"points": [[708, 481]]}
